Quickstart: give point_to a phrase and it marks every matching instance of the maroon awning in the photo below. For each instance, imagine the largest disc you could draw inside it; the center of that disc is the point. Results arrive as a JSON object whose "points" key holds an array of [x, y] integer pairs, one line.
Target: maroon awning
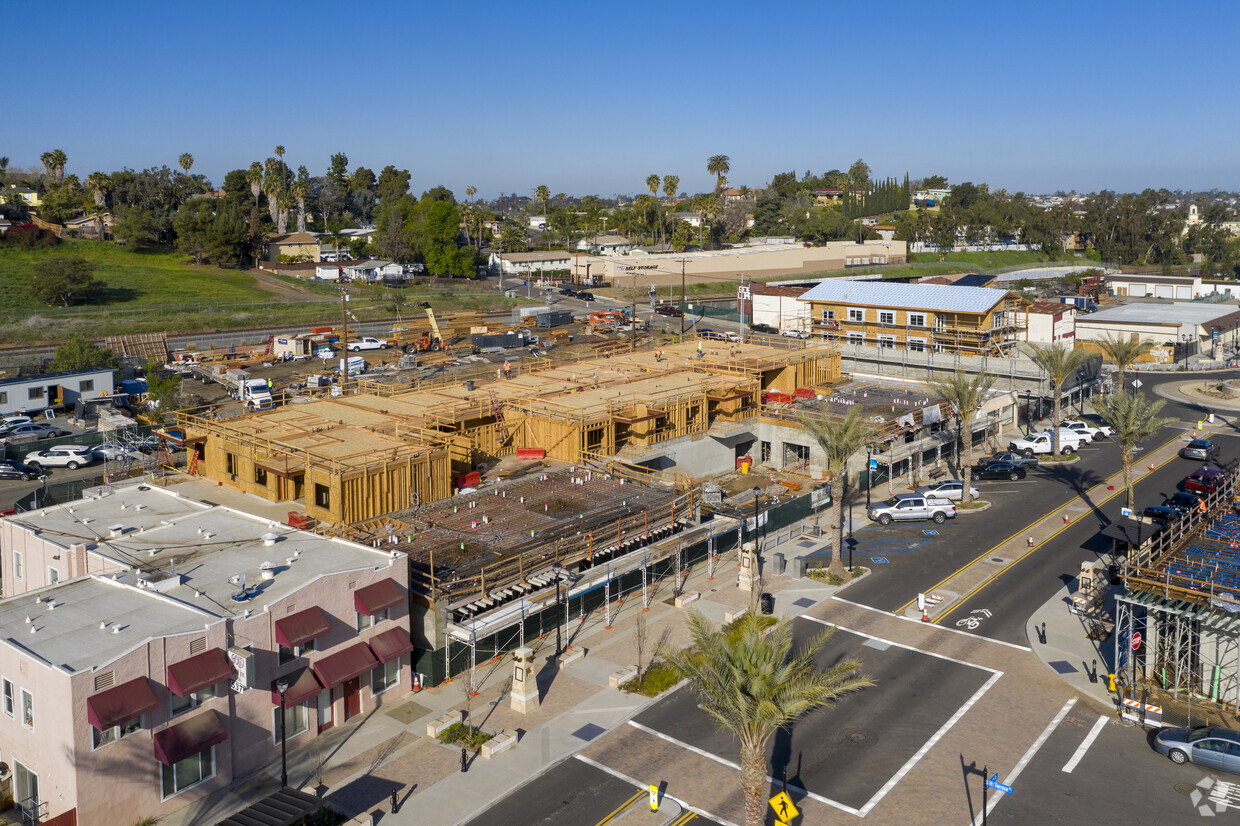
{"points": [[343, 666], [120, 703], [302, 627], [374, 598], [391, 644], [175, 743], [301, 687], [198, 672]]}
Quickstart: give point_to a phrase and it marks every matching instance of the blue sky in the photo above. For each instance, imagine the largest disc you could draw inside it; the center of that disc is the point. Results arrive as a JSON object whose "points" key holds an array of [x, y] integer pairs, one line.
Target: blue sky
{"points": [[593, 97]]}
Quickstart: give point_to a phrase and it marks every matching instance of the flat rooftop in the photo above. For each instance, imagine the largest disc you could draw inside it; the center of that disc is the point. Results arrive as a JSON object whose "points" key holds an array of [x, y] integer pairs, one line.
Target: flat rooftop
{"points": [[1179, 312]]}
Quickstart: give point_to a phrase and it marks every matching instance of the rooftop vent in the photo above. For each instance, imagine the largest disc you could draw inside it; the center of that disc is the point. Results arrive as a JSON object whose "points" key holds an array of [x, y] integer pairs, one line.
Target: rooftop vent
{"points": [[116, 530], [270, 539], [267, 570]]}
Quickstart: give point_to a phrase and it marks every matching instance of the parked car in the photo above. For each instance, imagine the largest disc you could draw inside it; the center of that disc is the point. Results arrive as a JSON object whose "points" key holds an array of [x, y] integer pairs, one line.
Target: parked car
{"points": [[795, 333], [32, 432], [1069, 442], [16, 470], [566, 291], [668, 310], [1097, 432], [70, 456], [951, 489], [585, 296], [911, 507], [14, 421], [1199, 449], [711, 335], [367, 343], [1184, 501], [1214, 747], [1162, 514], [763, 328], [1204, 480], [113, 450], [1000, 470], [1027, 462]]}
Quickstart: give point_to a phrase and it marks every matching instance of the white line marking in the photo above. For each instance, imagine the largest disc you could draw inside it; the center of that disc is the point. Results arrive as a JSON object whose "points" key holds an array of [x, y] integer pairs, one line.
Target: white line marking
{"points": [[900, 644], [622, 776], [736, 767], [1085, 744], [1024, 760], [928, 625]]}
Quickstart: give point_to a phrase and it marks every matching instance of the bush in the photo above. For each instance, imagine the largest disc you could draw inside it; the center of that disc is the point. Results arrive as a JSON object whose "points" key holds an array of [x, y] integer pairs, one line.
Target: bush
{"points": [[734, 629], [657, 678], [28, 237], [469, 737]]}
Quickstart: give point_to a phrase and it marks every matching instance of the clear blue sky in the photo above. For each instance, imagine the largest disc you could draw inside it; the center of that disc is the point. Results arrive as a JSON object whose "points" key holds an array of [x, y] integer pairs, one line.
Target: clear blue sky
{"points": [[593, 97]]}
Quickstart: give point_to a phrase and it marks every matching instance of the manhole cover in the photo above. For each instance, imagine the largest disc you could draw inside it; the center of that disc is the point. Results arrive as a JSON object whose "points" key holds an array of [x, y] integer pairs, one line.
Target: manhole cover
{"points": [[1185, 788], [857, 736]]}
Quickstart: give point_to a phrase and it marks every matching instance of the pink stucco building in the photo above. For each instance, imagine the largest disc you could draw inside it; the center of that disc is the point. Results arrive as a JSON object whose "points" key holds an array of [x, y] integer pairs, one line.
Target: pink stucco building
{"points": [[142, 635]]}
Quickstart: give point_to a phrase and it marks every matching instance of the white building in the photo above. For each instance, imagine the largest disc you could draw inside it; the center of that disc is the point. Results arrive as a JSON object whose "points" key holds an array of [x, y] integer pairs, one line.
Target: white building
{"points": [[606, 245], [778, 306], [1048, 321], [34, 394], [527, 263], [1177, 330], [373, 270]]}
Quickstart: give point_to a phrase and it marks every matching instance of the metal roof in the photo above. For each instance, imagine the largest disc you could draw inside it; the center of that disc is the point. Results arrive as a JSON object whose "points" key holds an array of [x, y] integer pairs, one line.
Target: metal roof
{"points": [[937, 297]]}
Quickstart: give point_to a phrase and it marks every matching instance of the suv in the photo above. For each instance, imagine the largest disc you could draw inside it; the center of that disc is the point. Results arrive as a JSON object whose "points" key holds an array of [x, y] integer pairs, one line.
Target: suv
{"points": [[1028, 462], [763, 328], [952, 489], [911, 507], [566, 291], [1199, 449], [668, 310], [70, 456], [585, 296], [1204, 480]]}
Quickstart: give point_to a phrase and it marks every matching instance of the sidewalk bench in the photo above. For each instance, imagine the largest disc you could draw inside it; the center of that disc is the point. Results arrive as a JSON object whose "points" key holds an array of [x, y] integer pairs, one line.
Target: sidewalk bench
{"points": [[573, 656], [733, 616], [498, 744], [623, 676], [439, 726], [686, 599]]}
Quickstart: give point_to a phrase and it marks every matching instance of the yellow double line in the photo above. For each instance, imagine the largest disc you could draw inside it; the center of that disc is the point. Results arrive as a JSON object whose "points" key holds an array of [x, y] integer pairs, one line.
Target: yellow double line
{"points": [[993, 549], [623, 807]]}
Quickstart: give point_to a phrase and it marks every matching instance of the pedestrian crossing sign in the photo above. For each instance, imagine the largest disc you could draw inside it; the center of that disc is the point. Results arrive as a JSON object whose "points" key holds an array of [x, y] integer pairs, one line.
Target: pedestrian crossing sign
{"points": [[784, 809]]}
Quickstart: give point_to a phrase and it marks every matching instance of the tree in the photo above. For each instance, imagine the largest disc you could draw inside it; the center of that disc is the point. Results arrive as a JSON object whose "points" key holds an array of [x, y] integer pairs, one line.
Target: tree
{"points": [[186, 161], [392, 183], [752, 684], [767, 213], [98, 184], [859, 174], [542, 193], [1124, 351], [63, 279], [283, 168], [934, 182], [840, 439], [671, 185], [193, 224], [1059, 362], [80, 353], [718, 165], [471, 191], [163, 387], [4, 166], [54, 165], [966, 394], [1133, 420]]}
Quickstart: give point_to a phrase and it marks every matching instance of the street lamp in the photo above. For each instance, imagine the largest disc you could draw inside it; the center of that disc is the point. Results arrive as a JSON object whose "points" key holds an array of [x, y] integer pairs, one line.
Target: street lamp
{"points": [[869, 473], [1185, 338], [756, 492], [282, 687], [559, 645]]}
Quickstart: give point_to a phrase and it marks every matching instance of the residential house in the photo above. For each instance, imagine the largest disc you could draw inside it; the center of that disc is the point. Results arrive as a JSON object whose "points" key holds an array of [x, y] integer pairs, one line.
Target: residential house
{"points": [[933, 196], [296, 246], [693, 219], [606, 245], [732, 195], [372, 269], [527, 263], [919, 317], [27, 195], [1049, 321], [146, 671], [830, 195], [63, 389]]}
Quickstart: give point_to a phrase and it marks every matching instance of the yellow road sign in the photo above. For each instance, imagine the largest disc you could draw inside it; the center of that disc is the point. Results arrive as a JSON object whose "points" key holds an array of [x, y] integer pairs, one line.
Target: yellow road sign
{"points": [[784, 809], [654, 798]]}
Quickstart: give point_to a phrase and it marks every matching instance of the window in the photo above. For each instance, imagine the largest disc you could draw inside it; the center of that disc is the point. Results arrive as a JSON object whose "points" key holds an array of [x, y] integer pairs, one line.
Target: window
{"points": [[8, 698], [917, 345], [260, 475], [322, 496], [183, 704], [887, 341], [230, 464], [102, 738], [856, 338], [886, 317], [384, 676], [998, 320], [86, 386], [27, 709], [53, 576], [856, 315], [4, 398], [917, 319], [35, 393], [365, 621], [189, 772], [297, 722], [17, 564], [828, 315], [287, 655]]}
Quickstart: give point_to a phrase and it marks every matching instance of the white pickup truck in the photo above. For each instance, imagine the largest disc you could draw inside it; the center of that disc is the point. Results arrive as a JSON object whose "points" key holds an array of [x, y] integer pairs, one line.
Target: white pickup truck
{"points": [[1069, 442], [1094, 431], [367, 343]]}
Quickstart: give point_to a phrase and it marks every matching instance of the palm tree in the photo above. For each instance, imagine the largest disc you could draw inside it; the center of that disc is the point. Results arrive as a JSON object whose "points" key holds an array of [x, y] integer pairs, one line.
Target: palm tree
{"points": [[1134, 419], [59, 160], [718, 165], [49, 165], [272, 186], [1123, 351], [254, 177], [299, 190], [471, 191], [752, 684], [4, 166], [283, 170], [98, 184], [966, 394], [542, 193], [185, 161], [840, 440], [671, 185], [1060, 363], [652, 183]]}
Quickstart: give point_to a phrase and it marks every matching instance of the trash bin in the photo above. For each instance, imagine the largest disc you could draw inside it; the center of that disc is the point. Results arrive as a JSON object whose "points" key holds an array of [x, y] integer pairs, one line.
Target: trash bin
{"points": [[768, 604]]}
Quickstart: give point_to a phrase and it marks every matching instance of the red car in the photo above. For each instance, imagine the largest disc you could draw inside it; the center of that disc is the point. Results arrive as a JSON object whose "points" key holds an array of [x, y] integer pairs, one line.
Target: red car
{"points": [[668, 310], [1204, 480]]}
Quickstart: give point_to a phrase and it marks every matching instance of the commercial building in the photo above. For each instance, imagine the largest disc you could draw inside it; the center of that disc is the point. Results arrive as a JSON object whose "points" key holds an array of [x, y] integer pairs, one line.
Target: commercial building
{"points": [[144, 638], [777, 305], [1177, 330], [529, 263], [917, 317]]}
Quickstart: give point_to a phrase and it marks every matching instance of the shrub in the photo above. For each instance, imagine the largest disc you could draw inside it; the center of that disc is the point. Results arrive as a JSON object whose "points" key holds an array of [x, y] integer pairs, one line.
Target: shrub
{"points": [[657, 678], [467, 736]]}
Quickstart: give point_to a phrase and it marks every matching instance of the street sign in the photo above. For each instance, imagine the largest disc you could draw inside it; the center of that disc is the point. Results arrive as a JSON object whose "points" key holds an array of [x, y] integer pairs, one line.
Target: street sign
{"points": [[744, 293], [993, 783], [1136, 383], [654, 798], [873, 464], [1125, 511], [1136, 640], [782, 804]]}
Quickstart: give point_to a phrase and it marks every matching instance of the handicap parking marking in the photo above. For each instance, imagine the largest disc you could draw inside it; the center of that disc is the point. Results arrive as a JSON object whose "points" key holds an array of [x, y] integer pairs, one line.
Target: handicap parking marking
{"points": [[879, 560]]}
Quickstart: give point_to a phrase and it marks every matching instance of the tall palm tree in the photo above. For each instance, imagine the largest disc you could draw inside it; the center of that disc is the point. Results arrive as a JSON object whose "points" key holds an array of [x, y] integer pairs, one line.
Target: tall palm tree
{"points": [[59, 160], [1059, 362], [1133, 420], [966, 394], [254, 177], [49, 165], [4, 166], [652, 183], [273, 186], [98, 184], [752, 684], [186, 161], [299, 190], [283, 169], [1123, 351], [542, 193], [718, 165], [671, 185], [471, 191], [840, 439]]}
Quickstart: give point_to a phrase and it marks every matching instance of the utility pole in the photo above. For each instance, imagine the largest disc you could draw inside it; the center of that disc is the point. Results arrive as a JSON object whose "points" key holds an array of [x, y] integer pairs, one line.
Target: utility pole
{"points": [[682, 297], [344, 338], [633, 320]]}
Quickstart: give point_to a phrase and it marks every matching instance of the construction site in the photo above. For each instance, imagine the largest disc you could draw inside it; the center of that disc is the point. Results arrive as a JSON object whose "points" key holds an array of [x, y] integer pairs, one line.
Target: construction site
{"points": [[1177, 627]]}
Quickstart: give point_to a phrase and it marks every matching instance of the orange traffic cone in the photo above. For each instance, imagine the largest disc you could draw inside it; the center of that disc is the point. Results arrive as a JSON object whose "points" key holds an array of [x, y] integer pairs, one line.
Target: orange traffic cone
{"points": [[1066, 519], [925, 615], [1031, 542]]}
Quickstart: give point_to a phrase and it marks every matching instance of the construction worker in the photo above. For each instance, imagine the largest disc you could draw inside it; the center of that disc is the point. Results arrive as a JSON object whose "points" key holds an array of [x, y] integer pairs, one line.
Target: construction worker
{"points": [[699, 348], [507, 369]]}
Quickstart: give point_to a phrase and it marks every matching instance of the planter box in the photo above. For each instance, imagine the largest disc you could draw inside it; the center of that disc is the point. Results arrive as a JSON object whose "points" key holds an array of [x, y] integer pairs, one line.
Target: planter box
{"points": [[686, 599], [573, 656], [439, 726], [733, 616], [498, 744], [621, 677]]}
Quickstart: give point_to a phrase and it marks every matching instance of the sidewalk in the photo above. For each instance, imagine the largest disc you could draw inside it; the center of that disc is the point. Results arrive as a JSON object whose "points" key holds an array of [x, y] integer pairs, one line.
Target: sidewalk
{"points": [[356, 767]]}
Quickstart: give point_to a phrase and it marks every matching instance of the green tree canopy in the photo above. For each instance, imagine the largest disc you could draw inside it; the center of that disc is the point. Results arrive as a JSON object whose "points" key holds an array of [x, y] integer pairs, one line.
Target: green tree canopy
{"points": [[80, 353], [63, 279]]}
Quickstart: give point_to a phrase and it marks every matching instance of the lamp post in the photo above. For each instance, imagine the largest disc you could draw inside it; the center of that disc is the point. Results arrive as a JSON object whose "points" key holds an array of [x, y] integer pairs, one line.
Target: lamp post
{"points": [[1185, 338], [869, 473], [756, 492], [282, 687], [559, 646]]}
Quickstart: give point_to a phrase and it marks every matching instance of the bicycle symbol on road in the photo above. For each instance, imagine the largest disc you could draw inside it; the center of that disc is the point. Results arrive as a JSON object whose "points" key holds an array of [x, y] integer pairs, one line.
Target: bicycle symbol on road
{"points": [[974, 619]]}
